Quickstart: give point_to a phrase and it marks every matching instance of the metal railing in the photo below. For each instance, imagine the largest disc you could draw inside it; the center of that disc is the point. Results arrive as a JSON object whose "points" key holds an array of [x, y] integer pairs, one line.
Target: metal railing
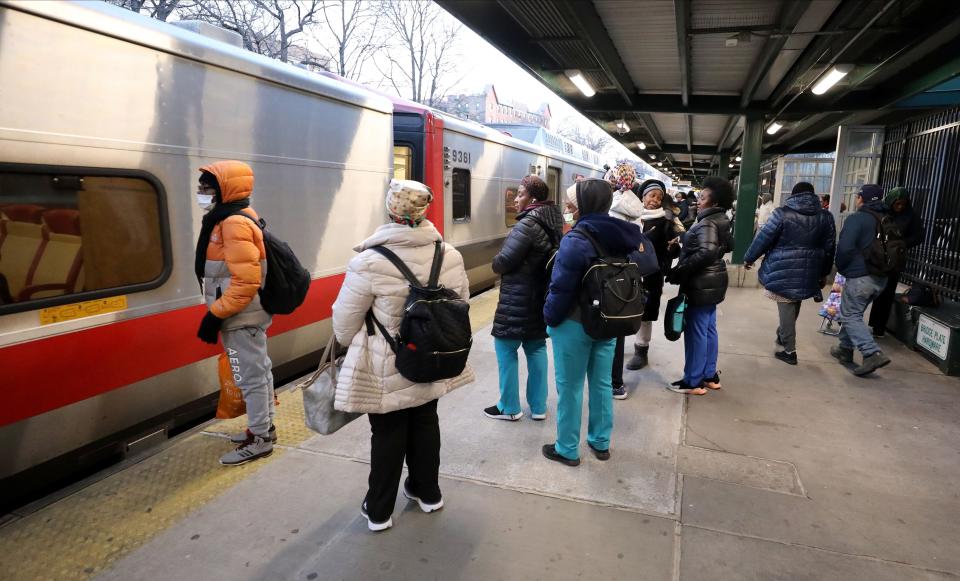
{"points": [[923, 155]]}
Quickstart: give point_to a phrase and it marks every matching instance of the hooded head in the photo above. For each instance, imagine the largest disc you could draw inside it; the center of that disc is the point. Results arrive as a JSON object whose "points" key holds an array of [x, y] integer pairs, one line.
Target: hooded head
{"points": [[590, 196], [898, 199], [233, 180], [407, 202]]}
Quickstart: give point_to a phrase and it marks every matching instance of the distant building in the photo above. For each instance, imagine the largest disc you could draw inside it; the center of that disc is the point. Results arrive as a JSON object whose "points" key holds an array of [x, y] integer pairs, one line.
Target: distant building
{"points": [[487, 108]]}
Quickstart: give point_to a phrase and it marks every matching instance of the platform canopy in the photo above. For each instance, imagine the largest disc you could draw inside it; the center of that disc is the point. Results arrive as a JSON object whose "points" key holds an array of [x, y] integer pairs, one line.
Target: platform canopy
{"points": [[682, 76]]}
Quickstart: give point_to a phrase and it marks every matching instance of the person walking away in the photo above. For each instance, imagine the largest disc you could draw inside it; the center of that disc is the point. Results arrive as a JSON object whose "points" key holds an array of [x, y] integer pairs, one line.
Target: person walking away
{"points": [[861, 287], [911, 228], [702, 275], [660, 227], [518, 322], [765, 210], [798, 243], [576, 354], [626, 206], [231, 262], [402, 414]]}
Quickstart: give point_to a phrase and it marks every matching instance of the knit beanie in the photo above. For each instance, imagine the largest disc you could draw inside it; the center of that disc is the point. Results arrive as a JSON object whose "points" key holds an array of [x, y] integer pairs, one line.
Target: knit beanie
{"points": [[896, 194], [407, 202], [650, 185]]}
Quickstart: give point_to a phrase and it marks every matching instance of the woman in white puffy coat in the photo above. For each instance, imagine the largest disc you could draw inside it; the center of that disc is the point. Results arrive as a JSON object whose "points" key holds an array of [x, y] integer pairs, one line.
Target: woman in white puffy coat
{"points": [[403, 414]]}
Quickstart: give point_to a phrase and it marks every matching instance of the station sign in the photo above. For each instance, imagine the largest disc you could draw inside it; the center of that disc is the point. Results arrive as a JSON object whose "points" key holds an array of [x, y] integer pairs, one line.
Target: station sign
{"points": [[933, 337]]}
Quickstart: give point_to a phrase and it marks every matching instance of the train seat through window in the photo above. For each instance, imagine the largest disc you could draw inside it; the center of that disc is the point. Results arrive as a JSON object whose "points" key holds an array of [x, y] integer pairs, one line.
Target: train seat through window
{"points": [[23, 244], [59, 268]]}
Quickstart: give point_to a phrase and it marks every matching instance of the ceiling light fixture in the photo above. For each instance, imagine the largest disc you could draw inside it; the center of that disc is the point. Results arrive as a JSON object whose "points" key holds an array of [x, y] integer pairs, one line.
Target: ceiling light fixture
{"points": [[830, 79], [773, 128], [731, 165], [659, 164], [641, 145], [738, 158], [652, 156], [577, 78], [622, 126]]}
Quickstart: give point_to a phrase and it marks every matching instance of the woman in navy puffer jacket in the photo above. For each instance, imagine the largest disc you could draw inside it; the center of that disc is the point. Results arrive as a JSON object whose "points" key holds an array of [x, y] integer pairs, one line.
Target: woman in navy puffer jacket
{"points": [[798, 242]]}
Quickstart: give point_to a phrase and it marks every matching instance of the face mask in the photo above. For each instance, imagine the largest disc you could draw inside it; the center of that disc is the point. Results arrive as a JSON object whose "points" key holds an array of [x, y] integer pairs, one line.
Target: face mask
{"points": [[205, 201], [568, 218]]}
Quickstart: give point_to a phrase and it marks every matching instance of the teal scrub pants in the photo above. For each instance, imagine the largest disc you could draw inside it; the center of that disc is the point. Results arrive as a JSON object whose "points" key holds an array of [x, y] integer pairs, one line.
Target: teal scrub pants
{"points": [[575, 355], [507, 362]]}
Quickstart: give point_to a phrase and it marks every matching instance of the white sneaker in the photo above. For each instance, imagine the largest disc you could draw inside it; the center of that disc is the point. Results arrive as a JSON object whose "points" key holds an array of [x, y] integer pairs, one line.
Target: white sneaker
{"points": [[375, 526], [538, 417], [428, 508]]}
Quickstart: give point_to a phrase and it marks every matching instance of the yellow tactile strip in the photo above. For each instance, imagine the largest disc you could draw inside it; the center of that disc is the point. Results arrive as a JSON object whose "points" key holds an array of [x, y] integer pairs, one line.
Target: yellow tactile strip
{"points": [[85, 533]]}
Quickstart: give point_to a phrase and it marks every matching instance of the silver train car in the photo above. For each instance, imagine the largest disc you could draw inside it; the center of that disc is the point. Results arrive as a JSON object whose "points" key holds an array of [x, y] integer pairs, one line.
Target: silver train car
{"points": [[105, 117]]}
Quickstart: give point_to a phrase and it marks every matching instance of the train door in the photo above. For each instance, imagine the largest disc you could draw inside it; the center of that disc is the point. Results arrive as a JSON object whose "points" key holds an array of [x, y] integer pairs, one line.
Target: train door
{"points": [[553, 183]]}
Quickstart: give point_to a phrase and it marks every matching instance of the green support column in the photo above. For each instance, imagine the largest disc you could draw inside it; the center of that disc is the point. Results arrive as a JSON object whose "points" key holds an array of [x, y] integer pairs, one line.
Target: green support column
{"points": [[749, 186], [724, 171]]}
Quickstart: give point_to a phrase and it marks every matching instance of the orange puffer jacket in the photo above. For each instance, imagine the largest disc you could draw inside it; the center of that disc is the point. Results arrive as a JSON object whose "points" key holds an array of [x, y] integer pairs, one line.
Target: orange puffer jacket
{"points": [[236, 259]]}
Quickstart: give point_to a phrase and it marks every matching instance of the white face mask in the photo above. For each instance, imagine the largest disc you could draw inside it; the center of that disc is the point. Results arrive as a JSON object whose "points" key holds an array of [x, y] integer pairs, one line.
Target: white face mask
{"points": [[205, 201], [568, 218]]}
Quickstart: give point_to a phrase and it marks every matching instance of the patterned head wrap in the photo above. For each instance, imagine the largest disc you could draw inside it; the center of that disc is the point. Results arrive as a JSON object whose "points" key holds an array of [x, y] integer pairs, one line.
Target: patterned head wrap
{"points": [[622, 176], [407, 202]]}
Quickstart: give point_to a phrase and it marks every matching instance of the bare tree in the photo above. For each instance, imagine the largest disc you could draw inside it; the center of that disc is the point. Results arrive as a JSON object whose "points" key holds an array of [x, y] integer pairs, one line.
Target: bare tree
{"points": [[422, 56], [350, 35], [592, 138], [159, 9], [268, 27]]}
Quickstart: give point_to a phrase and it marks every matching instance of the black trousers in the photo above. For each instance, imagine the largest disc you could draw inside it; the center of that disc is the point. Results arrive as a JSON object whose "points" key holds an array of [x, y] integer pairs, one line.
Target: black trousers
{"points": [[617, 376], [880, 310], [414, 434]]}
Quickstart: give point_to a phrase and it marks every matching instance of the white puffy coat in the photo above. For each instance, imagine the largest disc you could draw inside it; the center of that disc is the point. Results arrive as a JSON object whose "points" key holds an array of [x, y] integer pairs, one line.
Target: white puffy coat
{"points": [[369, 381], [626, 206]]}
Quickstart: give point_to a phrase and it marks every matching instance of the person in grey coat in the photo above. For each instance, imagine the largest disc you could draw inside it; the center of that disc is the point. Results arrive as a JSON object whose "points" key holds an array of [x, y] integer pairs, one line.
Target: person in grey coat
{"points": [[518, 321]]}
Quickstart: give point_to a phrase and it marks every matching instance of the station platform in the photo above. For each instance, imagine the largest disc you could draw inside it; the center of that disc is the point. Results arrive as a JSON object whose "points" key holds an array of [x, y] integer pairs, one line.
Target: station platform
{"points": [[803, 472]]}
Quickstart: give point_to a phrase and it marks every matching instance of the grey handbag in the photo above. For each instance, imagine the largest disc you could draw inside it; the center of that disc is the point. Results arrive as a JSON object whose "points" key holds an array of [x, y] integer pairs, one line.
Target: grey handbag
{"points": [[319, 393]]}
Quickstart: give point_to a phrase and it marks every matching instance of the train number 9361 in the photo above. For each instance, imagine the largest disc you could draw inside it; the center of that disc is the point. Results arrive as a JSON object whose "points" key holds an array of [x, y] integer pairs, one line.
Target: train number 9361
{"points": [[458, 156]]}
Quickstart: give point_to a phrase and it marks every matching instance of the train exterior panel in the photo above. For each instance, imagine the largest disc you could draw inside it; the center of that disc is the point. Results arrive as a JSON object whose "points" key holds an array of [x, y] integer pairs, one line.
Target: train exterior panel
{"points": [[109, 96]]}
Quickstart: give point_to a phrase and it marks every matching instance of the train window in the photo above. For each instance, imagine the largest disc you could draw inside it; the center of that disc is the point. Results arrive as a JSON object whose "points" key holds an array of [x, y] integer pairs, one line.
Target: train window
{"points": [[553, 182], [510, 204], [402, 162], [461, 195], [67, 237]]}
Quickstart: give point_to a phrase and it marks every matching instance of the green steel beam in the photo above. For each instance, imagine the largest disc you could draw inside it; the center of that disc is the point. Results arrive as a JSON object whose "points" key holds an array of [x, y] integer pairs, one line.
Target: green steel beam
{"points": [[749, 186], [724, 163]]}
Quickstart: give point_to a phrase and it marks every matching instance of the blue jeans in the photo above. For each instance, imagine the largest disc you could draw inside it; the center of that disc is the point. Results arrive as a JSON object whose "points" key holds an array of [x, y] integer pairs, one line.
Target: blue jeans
{"points": [[575, 355], [700, 343], [858, 293], [507, 362]]}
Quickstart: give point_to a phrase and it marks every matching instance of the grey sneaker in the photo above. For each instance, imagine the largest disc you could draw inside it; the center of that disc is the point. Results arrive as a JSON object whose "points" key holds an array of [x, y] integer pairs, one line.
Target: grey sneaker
{"points": [[246, 436], [842, 354], [248, 452], [872, 363]]}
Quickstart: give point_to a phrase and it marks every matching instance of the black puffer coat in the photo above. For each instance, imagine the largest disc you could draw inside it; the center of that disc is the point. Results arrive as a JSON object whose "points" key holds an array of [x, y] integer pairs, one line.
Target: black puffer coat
{"points": [[521, 263], [701, 271]]}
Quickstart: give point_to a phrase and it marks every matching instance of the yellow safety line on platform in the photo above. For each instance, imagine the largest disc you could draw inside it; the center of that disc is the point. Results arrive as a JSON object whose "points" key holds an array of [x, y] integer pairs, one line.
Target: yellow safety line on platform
{"points": [[83, 534]]}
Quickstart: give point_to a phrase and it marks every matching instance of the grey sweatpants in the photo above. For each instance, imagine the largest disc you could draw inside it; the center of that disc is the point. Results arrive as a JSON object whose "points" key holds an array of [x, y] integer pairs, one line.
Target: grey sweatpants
{"points": [[787, 331], [246, 350]]}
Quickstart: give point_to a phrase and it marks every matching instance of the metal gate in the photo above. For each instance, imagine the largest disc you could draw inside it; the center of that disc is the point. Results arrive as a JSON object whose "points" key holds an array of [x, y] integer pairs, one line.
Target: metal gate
{"points": [[923, 155]]}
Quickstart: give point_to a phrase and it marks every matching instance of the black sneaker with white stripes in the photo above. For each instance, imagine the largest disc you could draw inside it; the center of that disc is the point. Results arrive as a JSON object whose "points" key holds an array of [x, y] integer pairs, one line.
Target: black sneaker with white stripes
{"points": [[494, 412]]}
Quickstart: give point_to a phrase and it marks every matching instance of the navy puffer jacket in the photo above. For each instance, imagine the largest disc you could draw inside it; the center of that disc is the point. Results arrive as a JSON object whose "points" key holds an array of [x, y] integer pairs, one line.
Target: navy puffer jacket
{"points": [[798, 242], [521, 263]]}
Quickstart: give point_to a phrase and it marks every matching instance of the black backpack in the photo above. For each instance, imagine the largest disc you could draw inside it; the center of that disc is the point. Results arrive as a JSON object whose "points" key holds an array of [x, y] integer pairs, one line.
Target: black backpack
{"points": [[435, 336], [887, 252], [287, 280], [612, 297]]}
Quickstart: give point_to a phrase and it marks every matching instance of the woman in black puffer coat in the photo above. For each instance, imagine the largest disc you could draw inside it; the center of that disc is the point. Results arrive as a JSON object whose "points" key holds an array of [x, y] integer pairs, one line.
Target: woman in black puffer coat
{"points": [[518, 321], [702, 275]]}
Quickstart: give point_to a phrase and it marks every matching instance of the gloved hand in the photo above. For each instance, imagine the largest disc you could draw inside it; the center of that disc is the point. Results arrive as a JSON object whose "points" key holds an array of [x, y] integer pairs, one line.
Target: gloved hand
{"points": [[210, 328]]}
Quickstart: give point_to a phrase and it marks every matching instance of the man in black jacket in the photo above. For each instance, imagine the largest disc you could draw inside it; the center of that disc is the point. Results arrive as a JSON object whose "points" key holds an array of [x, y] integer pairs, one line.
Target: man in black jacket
{"points": [[518, 321], [702, 275]]}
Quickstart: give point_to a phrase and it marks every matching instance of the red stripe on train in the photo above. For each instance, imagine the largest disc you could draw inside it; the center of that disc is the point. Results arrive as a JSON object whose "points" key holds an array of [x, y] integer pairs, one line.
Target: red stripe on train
{"points": [[46, 374]]}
